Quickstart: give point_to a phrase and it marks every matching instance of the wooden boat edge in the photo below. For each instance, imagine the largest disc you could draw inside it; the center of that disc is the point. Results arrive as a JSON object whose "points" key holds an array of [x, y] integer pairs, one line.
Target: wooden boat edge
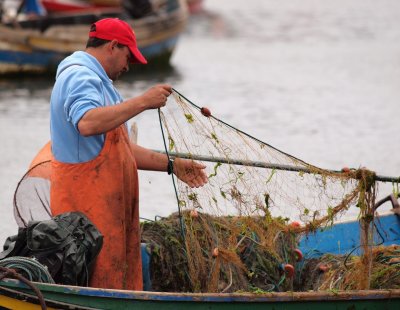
{"points": [[267, 297]]}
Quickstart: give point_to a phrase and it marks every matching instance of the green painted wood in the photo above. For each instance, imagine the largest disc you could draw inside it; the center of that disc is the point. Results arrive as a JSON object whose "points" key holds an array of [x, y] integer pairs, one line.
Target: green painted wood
{"points": [[117, 299]]}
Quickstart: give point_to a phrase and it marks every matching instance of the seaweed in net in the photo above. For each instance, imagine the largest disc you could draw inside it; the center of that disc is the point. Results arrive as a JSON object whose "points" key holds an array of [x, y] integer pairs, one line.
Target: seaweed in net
{"points": [[237, 232], [251, 180], [344, 272], [219, 254]]}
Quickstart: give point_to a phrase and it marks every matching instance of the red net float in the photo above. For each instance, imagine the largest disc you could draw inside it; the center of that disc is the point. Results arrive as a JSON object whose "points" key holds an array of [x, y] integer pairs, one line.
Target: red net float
{"points": [[205, 111], [299, 255], [289, 269]]}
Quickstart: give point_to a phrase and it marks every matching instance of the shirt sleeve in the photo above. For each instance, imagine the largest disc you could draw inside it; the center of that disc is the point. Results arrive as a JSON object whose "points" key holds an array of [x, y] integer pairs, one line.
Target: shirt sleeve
{"points": [[85, 92]]}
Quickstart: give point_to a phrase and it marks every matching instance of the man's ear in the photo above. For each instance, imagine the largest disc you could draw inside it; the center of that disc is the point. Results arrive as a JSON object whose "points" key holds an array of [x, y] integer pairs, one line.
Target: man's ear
{"points": [[113, 44]]}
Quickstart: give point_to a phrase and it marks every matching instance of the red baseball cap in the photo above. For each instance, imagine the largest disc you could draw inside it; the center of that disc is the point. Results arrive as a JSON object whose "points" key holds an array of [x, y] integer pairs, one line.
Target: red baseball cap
{"points": [[116, 29]]}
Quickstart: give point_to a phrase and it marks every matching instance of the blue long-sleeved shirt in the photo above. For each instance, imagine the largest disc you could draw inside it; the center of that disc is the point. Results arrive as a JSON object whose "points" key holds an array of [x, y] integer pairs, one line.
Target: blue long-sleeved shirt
{"points": [[81, 85]]}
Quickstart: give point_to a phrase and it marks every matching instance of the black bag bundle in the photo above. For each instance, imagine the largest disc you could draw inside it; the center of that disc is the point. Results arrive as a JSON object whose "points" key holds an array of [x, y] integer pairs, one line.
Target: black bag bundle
{"points": [[67, 244]]}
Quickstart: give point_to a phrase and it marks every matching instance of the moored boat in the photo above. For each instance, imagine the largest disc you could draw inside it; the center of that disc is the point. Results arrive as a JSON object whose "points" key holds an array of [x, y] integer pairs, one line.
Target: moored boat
{"points": [[15, 294], [195, 6], [39, 44], [269, 279], [344, 237]]}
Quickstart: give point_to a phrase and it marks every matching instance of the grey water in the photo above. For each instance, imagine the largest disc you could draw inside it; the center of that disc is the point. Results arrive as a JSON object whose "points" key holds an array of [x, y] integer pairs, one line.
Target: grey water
{"points": [[317, 79]]}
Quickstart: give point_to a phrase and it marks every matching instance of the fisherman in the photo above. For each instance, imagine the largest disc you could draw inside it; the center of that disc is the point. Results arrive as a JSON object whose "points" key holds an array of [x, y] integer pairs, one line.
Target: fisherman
{"points": [[94, 166]]}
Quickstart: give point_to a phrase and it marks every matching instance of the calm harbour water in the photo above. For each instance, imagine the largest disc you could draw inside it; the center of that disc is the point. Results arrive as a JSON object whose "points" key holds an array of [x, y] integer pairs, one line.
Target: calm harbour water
{"points": [[317, 79]]}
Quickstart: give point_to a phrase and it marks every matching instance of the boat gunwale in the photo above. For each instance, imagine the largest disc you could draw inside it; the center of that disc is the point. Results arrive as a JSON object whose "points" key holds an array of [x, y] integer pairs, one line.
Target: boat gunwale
{"points": [[267, 297]]}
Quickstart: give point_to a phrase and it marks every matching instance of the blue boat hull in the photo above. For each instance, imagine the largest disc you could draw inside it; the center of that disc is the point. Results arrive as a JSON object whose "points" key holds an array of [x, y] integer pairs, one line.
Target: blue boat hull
{"points": [[335, 240], [47, 61], [28, 49], [67, 297], [343, 238]]}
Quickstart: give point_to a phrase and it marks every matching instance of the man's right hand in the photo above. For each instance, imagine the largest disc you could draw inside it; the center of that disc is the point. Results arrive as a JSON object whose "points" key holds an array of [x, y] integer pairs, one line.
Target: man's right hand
{"points": [[156, 97], [103, 119]]}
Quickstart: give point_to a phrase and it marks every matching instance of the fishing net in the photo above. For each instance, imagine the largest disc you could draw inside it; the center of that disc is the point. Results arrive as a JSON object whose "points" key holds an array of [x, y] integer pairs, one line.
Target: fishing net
{"points": [[32, 194], [240, 231], [341, 272], [218, 254]]}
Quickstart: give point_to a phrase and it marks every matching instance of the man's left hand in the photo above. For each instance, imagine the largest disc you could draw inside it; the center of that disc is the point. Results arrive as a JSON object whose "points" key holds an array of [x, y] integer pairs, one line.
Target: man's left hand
{"points": [[190, 172]]}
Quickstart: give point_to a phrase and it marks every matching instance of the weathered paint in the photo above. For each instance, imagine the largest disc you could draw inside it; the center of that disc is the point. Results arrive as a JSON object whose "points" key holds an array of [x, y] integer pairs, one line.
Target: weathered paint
{"points": [[117, 299], [40, 61], [12, 303]]}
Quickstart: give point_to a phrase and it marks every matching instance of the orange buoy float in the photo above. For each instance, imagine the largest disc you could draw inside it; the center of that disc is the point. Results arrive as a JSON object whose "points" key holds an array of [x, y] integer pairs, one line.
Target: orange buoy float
{"points": [[346, 169], [299, 255], [323, 268], [295, 224], [289, 269], [215, 252], [205, 111], [194, 213]]}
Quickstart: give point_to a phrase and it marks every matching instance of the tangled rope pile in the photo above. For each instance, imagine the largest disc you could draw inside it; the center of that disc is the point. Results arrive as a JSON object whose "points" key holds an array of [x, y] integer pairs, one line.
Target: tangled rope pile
{"points": [[227, 254], [29, 268], [11, 273]]}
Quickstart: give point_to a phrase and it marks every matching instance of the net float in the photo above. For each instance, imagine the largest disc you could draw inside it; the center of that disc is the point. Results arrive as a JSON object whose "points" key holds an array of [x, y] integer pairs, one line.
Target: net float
{"points": [[215, 252], [289, 269], [323, 268], [205, 111], [295, 224], [299, 254], [194, 213]]}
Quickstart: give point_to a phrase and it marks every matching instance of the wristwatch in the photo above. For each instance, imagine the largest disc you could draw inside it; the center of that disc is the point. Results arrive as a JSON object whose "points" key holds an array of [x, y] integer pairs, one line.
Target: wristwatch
{"points": [[170, 167]]}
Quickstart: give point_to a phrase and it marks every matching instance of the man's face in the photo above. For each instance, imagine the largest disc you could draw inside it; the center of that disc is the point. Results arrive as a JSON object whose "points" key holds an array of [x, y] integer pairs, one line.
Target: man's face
{"points": [[120, 62]]}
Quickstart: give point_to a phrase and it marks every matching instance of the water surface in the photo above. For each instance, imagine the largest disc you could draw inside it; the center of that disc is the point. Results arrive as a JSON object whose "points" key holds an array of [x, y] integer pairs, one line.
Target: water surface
{"points": [[317, 79]]}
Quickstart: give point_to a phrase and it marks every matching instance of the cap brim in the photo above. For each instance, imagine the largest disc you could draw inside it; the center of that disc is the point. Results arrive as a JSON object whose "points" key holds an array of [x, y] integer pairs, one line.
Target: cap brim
{"points": [[137, 56]]}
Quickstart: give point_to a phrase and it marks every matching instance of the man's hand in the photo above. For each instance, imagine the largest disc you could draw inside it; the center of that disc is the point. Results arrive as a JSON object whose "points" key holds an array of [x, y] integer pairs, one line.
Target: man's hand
{"points": [[190, 172], [103, 119], [156, 97]]}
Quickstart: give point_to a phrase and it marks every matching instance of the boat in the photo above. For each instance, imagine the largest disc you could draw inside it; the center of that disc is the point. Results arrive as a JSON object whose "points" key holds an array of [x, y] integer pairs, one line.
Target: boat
{"points": [[17, 294], [344, 237], [57, 6], [195, 6], [38, 44]]}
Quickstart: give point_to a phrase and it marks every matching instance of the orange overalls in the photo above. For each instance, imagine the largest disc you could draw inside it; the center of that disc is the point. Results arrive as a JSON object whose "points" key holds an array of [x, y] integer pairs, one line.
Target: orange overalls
{"points": [[106, 190]]}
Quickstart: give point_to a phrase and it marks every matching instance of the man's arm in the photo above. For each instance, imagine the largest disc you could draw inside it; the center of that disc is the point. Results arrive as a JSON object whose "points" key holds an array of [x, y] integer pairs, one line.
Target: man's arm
{"points": [[188, 171], [103, 119]]}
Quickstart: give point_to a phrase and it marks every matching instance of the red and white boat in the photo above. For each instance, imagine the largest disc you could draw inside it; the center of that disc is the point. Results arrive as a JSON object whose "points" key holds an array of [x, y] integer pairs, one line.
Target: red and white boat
{"points": [[56, 6]]}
